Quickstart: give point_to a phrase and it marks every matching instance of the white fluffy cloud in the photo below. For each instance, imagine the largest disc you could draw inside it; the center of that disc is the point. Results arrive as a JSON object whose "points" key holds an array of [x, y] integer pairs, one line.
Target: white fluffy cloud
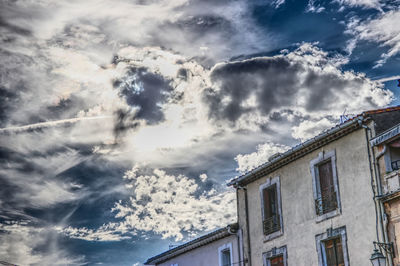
{"points": [[308, 128], [247, 162], [169, 205]]}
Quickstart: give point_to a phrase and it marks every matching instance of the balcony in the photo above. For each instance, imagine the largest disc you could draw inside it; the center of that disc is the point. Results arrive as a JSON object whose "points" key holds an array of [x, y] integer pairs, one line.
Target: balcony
{"points": [[396, 165], [271, 224], [326, 203], [392, 180]]}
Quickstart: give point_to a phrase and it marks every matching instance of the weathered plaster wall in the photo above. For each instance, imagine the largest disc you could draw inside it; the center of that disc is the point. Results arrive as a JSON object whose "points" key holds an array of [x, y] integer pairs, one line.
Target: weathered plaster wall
{"points": [[205, 255], [299, 218]]}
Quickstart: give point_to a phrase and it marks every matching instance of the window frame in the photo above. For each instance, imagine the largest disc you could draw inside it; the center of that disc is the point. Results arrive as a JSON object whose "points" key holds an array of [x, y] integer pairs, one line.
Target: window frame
{"points": [[328, 235], [323, 157], [270, 182], [274, 252], [223, 248]]}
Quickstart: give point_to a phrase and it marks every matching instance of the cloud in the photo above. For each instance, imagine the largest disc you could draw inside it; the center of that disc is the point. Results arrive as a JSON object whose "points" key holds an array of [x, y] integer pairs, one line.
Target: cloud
{"points": [[306, 81], [247, 162], [314, 7], [382, 29], [308, 129], [104, 233], [376, 4], [168, 205], [24, 244]]}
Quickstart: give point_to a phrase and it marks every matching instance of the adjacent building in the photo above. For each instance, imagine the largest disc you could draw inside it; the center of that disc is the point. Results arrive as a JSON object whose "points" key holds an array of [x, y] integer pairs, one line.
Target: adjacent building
{"points": [[387, 155], [219, 248]]}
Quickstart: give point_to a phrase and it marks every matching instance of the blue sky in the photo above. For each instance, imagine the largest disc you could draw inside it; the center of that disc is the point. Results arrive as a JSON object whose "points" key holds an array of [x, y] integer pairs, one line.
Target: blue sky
{"points": [[121, 121]]}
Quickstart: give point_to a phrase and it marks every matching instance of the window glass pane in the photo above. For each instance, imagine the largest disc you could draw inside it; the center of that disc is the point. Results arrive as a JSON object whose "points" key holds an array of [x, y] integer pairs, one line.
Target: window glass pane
{"points": [[276, 261], [226, 257]]}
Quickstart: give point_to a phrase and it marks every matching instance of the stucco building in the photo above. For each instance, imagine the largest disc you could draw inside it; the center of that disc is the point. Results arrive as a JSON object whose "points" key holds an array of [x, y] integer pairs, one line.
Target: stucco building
{"points": [[321, 202], [218, 248], [387, 154]]}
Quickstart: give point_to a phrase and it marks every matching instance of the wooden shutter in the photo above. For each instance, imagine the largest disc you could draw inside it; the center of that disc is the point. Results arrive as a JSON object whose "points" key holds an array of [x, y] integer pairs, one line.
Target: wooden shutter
{"points": [[276, 261], [334, 252], [270, 202], [326, 177]]}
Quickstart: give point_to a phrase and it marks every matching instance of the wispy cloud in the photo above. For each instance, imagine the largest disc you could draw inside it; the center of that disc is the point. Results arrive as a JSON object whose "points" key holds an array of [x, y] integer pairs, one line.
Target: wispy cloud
{"points": [[382, 30], [25, 244]]}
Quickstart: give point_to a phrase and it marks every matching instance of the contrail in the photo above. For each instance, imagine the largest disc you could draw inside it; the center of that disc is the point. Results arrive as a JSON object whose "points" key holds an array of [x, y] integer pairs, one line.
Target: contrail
{"points": [[388, 79], [50, 123]]}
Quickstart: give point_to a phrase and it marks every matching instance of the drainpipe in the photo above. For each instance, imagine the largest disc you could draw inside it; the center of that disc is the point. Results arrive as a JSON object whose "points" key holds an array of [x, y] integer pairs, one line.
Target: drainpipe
{"points": [[382, 209], [247, 222], [379, 218]]}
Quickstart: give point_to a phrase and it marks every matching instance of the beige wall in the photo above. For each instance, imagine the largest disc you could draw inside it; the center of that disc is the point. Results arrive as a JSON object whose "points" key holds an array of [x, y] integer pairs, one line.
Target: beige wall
{"points": [[206, 255], [299, 218]]}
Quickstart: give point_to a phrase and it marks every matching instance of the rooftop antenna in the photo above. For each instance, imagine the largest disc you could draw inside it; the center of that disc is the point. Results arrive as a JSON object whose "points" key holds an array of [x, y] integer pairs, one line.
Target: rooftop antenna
{"points": [[343, 117]]}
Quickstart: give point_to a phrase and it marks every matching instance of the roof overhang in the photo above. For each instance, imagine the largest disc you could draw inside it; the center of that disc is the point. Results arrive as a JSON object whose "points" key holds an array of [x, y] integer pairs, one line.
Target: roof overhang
{"points": [[198, 242], [300, 150], [386, 136]]}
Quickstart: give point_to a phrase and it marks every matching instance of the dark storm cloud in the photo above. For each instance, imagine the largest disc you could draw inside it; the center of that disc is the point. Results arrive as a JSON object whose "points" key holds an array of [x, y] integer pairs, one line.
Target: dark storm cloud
{"points": [[278, 83], [272, 80], [124, 121], [145, 90], [205, 24], [14, 28]]}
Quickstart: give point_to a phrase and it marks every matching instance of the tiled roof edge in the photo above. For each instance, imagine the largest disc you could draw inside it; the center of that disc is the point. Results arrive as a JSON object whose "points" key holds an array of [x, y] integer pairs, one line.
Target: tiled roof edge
{"points": [[198, 242], [299, 151]]}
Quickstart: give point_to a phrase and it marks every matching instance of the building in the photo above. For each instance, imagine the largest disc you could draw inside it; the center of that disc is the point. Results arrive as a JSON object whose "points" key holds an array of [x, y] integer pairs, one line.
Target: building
{"points": [[322, 202], [387, 155], [219, 248]]}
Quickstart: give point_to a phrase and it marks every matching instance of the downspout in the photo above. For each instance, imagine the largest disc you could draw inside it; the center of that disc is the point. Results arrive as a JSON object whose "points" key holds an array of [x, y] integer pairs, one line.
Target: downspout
{"points": [[247, 223], [379, 218], [382, 209], [239, 232]]}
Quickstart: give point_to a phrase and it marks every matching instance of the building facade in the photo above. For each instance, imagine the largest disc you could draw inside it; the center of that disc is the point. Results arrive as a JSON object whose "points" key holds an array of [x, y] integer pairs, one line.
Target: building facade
{"points": [[219, 248], [320, 202], [387, 155]]}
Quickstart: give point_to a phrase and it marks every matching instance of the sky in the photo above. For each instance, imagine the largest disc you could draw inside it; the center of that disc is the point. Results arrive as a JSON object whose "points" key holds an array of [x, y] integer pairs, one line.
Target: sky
{"points": [[122, 121]]}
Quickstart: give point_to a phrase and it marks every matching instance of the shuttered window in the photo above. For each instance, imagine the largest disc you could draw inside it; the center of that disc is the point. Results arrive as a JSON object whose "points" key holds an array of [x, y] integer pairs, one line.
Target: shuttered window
{"points": [[326, 200], [271, 221], [333, 252], [276, 261]]}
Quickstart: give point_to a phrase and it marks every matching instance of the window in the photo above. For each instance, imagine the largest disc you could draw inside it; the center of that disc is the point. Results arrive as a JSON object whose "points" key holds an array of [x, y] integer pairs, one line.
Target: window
{"points": [[271, 208], [325, 185], [225, 255], [333, 252], [275, 257], [332, 248]]}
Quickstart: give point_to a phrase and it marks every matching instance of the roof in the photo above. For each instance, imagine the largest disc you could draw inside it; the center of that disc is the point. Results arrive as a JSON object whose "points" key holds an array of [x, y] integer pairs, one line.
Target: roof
{"points": [[198, 242], [386, 135], [308, 146]]}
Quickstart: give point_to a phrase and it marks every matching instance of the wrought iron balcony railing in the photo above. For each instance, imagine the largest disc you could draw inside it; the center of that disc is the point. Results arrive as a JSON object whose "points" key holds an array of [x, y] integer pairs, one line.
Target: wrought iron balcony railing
{"points": [[396, 165], [327, 202], [271, 224]]}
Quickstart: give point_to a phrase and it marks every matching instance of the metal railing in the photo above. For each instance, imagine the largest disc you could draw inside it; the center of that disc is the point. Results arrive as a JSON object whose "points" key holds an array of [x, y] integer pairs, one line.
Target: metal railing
{"points": [[327, 202], [396, 165], [271, 224]]}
